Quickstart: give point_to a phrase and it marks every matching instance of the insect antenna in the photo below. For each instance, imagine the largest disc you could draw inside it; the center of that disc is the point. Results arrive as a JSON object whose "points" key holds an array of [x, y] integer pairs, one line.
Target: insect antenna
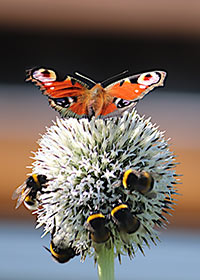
{"points": [[115, 76], [84, 77]]}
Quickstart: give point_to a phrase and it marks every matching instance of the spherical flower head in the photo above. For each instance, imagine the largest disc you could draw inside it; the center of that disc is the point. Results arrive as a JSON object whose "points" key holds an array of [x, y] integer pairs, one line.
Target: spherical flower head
{"points": [[84, 161]]}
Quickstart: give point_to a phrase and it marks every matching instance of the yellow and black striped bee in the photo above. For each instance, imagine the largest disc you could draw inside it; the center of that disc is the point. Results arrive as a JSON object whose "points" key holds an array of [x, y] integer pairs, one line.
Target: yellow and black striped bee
{"points": [[96, 225], [125, 221], [60, 249], [28, 191], [141, 181]]}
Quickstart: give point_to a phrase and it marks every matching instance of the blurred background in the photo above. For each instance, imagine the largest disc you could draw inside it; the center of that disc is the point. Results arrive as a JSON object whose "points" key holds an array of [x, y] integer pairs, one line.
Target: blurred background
{"points": [[99, 39]]}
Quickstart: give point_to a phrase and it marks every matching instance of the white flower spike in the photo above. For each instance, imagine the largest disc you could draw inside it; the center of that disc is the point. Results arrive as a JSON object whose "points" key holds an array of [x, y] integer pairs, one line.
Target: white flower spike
{"points": [[108, 184], [90, 161]]}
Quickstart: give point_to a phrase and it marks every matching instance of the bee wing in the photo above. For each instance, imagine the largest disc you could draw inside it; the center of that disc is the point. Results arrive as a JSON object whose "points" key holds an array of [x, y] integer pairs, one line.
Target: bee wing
{"points": [[22, 196], [18, 191]]}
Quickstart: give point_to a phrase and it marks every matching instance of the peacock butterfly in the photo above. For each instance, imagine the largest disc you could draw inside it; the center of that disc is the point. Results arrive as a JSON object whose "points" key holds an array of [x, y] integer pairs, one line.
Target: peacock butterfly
{"points": [[74, 98]]}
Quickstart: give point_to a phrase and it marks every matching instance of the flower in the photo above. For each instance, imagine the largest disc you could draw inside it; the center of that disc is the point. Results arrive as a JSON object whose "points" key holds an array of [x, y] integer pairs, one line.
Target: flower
{"points": [[84, 162]]}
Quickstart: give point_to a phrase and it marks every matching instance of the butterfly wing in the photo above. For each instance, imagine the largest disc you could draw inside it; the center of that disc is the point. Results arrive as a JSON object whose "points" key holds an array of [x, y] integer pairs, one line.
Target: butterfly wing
{"points": [[69, 97], [127, 92]]}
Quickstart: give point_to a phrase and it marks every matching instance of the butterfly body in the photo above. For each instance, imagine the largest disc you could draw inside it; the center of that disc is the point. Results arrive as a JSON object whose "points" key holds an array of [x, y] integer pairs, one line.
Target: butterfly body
{"points": [[74, 98]]}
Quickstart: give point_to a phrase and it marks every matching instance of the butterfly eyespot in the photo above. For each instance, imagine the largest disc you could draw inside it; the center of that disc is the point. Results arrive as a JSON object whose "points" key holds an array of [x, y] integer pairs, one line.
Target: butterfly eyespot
{"points": [[44, 75], [148, 78], [64, 102], [121, 103]]}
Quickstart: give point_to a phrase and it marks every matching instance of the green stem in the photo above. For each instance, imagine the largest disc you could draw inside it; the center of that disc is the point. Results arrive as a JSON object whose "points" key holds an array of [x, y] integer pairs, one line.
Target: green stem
{"points": [[105, 260]]}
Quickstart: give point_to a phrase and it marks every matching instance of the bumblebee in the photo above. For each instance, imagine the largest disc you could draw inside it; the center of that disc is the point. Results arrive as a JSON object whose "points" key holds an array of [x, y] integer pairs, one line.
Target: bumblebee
{"points": [[96, 225], [141, 181], [28, 191], [60, 249], [124, 220]]}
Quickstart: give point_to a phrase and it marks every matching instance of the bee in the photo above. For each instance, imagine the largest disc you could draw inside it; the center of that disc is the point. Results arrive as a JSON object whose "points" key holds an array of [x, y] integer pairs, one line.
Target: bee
{"points": [[141, 181], [60, 249], [125, 221], [96, 225], [28, 191]]}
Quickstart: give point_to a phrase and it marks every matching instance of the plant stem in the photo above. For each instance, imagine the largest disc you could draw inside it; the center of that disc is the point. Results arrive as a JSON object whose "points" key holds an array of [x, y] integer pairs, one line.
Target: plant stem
{"points": [[105, 260]]}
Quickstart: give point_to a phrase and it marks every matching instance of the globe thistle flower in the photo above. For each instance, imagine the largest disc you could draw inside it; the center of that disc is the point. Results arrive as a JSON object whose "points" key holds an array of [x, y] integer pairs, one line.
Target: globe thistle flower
{"points": [[88, 197]]}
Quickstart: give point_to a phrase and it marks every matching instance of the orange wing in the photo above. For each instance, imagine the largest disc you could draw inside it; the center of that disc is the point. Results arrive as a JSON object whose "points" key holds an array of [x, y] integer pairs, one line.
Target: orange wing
{"points": [[46, 80], [68, 97], [127, 92]]}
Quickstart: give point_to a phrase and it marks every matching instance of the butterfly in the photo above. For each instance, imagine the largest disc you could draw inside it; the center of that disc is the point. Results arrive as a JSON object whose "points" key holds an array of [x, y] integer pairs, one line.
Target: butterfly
{"points": [[74, 98]]}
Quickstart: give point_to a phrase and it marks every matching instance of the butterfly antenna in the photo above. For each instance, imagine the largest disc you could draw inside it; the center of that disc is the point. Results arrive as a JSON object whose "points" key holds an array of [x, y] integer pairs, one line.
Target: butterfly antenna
{"points": [[115, 76], [84, 77]]}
